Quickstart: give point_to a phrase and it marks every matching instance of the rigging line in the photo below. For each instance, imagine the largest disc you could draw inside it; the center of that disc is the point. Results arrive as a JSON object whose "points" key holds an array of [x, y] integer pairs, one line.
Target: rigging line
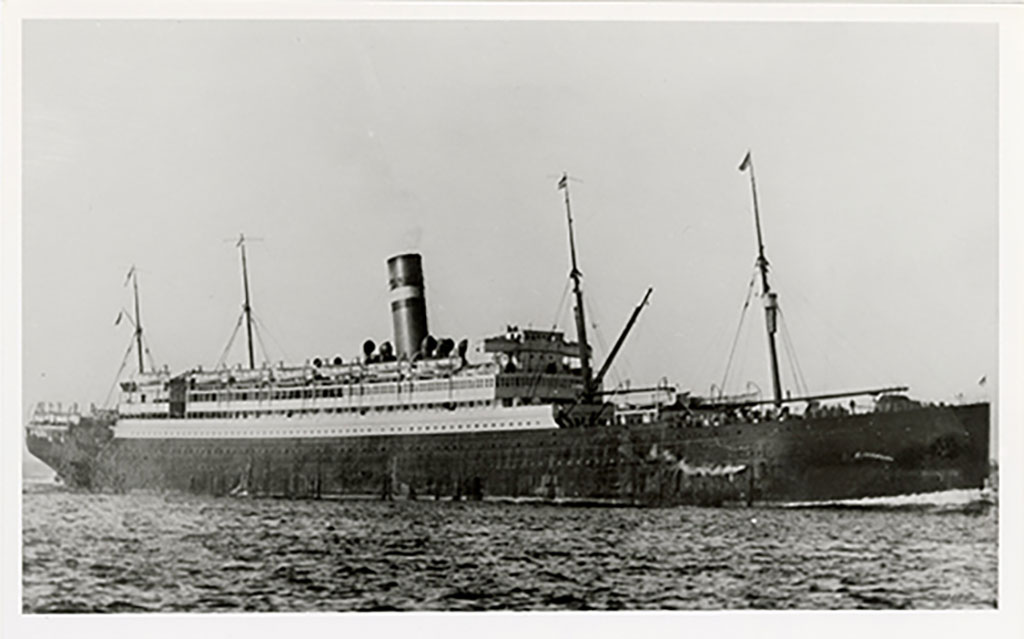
{"points": [[256, 331], [622, 370], [787, 347], [259, 340], [788, 356], [797, 369], [149, 355], [739, 328], [870, 365], [145, 342], [719, 341], [595, 324], [535, 380], [259, 328], [750, 369], [796, 361], [561, 304], [231, 340], [126, 315], [263, 326], [124, 361]]}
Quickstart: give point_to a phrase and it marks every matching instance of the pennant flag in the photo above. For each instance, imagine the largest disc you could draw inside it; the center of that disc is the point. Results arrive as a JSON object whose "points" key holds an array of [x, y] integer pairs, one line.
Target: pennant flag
{"points": [[746, 162], [981, 382], [128, 278], [564, 182], [120, 314]]}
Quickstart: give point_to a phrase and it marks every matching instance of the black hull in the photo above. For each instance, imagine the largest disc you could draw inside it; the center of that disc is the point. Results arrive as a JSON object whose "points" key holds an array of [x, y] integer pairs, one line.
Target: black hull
{"points": [[799, 460]]}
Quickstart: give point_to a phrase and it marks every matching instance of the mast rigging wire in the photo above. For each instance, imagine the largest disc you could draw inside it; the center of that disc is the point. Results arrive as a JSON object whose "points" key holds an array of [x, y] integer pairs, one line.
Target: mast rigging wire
{"points": [[561, 303], [262, 326], [259, 338], [850, 352], [145, 342], [258, 324], [149, 356], [787, 342], [739, 328], [594, 324], [117, 377], [554, 326], [231, 340]]}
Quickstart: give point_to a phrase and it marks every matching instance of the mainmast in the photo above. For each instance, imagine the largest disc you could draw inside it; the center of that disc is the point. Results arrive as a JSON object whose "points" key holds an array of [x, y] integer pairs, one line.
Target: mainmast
{"points": [[771, 302], [581, 321], [138, 322], [246, 308]]}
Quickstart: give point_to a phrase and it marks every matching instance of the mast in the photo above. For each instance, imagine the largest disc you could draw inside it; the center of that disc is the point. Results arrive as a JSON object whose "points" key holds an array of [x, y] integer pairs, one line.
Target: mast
{"points": [[581, 321], [246, 308], [771, 303], [138, 321]]}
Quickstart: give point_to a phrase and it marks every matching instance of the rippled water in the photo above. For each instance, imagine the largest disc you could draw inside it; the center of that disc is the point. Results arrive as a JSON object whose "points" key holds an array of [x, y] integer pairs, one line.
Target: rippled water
{"points": [[108, 553]]}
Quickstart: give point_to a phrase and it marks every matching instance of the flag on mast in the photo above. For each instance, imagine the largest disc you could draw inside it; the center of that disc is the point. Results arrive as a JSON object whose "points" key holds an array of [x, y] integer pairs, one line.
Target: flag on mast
{"points": [[128, 277], [120, 314], [564, 182], [746, 162]]}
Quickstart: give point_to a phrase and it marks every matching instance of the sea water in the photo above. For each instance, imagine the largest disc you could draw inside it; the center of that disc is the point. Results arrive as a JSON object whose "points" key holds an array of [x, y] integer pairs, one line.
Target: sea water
{"points": [[171, 553]]}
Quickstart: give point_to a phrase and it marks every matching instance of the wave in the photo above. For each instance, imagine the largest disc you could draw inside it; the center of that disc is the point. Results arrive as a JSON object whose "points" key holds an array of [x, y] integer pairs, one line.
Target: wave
{"points": [[970, 500]]}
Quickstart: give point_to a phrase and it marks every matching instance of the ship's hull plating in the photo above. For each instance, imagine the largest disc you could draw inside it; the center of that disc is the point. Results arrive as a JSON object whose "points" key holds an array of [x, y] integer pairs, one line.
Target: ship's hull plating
{"points": [[800, 460]]}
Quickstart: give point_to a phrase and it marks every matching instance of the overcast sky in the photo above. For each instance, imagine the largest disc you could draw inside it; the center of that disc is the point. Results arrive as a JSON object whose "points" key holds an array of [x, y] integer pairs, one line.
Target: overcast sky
{"points": [[341, 143]]}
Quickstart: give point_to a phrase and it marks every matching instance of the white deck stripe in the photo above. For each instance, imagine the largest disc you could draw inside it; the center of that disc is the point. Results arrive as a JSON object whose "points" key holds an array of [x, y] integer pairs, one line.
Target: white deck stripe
{"points": [[319, 425]]}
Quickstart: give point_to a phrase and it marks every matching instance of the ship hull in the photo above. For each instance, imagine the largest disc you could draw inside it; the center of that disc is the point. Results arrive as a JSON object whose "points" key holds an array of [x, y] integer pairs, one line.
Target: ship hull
{"points": [[664, 463]]}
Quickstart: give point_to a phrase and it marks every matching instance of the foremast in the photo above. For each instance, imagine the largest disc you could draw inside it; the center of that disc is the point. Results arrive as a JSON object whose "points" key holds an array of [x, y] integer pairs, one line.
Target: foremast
{"points": [[246, 306], [576, 275], [135, 318], [133, 274], [771, 302]]}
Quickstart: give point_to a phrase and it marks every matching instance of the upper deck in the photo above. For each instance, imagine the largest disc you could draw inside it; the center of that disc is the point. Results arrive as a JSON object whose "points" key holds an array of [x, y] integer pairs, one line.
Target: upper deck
{"points": [[515, 371]]}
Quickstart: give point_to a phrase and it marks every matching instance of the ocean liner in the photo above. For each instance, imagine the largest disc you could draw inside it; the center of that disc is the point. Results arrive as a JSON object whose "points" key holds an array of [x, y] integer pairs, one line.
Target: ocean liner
{"points": [[523, 416]]}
